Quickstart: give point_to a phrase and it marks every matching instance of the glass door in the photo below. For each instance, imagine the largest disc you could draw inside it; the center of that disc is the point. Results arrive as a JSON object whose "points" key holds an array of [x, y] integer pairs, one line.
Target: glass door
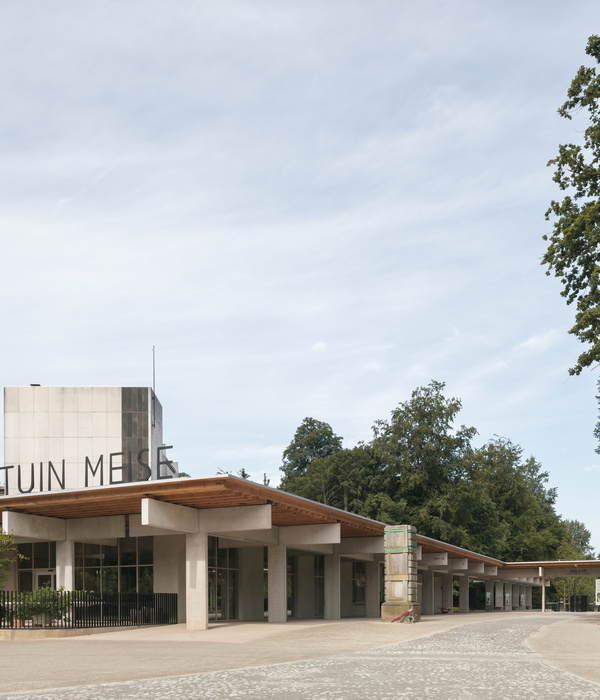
{"points": [[44, 579]]}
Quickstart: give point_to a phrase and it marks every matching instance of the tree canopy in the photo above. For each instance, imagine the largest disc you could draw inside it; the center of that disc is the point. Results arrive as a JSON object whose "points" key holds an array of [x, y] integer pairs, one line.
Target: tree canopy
{"points": [[573, 250], [420, 468], [313, 440]]}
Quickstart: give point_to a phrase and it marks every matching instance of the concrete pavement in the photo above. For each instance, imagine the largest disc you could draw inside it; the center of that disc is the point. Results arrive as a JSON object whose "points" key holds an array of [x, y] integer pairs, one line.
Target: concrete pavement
{"points": [[481, 655]]}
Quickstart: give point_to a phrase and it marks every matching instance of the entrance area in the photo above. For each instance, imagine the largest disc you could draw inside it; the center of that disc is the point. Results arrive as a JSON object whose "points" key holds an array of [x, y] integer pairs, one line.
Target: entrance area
{"points": [[45, 579]]}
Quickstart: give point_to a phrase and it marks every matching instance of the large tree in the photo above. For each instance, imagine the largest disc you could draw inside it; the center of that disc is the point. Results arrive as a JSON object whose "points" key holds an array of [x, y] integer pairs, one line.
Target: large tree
{"points": [[421, 468], [312, 440], [422, 450], [573, 253], [525, 525], [350, 480]]}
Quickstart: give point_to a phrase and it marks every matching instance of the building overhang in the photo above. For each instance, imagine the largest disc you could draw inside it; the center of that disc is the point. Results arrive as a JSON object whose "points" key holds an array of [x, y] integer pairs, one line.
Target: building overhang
{"points": [[201, 493]]}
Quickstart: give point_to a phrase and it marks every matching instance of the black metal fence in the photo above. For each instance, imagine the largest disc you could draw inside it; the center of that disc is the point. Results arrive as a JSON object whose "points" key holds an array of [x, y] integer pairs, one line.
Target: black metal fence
{"points": [[82, 609]]}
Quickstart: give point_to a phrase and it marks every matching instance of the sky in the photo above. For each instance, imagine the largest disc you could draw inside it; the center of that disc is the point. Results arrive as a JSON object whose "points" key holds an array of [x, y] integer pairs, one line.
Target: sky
{"points": [[308, 209]]}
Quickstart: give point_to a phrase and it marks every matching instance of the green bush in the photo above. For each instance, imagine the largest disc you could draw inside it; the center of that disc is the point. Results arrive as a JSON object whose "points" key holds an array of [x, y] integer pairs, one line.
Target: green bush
{"points": [[43, 601]]}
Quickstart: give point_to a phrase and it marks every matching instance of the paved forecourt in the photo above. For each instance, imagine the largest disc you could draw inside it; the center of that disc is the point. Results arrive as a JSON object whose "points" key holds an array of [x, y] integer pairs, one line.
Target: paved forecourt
{"points": [[476, 656]]}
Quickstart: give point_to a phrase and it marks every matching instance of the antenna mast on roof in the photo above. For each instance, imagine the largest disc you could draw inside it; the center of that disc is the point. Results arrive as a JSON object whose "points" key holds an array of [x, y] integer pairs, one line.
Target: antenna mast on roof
{"points": [[153, 387]]}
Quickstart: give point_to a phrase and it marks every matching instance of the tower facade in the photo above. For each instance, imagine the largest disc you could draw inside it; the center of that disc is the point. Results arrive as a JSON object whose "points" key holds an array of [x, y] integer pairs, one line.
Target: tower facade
{"points": [[75, 437]]}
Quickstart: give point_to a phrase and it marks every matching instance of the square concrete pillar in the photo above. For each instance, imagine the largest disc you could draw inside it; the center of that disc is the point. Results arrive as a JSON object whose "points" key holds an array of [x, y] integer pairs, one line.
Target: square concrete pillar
{"points": [[332, 587], [252, 583], [196, 580], [521, 597], [508, 596], [428, 605], [372, 589], [277, 578], [169, 569], [447, 590], [65, 565], [499, 596], [489, 596], [544, 593], [463, 594], [306, 586]]}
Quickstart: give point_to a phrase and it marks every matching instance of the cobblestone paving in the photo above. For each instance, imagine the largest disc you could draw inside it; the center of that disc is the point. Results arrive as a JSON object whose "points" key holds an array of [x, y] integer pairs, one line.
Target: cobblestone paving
{"points": [[487, 660]]}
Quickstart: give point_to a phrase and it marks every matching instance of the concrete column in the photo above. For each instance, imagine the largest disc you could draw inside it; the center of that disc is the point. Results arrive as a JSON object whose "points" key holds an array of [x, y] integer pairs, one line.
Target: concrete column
{"points": [[65, 565], [508, 596], [372, 607], [447, 599], [544, 589], [463, 594], [277, 578], [332, 587], [401, 576], [428, 593], [251, 598], [521, 594], [196, 580], [528, 597], [489, 596], [169, 569], [306, 586], [499, 596]]}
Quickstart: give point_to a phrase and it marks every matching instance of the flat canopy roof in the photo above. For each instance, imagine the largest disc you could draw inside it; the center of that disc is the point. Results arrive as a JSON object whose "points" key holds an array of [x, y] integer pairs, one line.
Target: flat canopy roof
{"points": [[431, 546], [227, 491], [205, 492]]}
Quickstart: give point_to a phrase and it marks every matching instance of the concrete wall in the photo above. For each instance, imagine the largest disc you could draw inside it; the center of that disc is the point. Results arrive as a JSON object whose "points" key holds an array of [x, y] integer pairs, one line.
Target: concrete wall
{"points": [[305, 586], [169, 569], [52, 424], [438, 601], [251, 600]]}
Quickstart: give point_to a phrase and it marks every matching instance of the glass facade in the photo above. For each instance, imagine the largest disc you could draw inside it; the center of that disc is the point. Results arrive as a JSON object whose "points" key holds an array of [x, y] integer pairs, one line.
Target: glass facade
{"points": [[319, 584], [223, 582], [126, 567], [359, 582], [35, 555]]}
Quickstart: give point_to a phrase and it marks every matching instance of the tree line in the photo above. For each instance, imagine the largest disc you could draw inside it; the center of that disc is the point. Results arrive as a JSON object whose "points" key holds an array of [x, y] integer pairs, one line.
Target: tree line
{"points": [[420, 468]]}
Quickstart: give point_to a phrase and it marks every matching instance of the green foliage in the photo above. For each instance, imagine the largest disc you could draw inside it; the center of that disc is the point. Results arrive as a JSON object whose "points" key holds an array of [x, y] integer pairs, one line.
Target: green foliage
{"points": [[421, 469], [525, 524], [8, 553], [575, 545], [242, 473], [342, 479], [421, 451], [43, 601], [312, 440], [577, 541], [573, 250]]}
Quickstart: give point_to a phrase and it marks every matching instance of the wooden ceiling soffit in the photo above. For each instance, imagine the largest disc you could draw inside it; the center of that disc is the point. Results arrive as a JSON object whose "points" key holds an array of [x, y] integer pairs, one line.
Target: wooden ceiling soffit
{"points": [[205, 492]]}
